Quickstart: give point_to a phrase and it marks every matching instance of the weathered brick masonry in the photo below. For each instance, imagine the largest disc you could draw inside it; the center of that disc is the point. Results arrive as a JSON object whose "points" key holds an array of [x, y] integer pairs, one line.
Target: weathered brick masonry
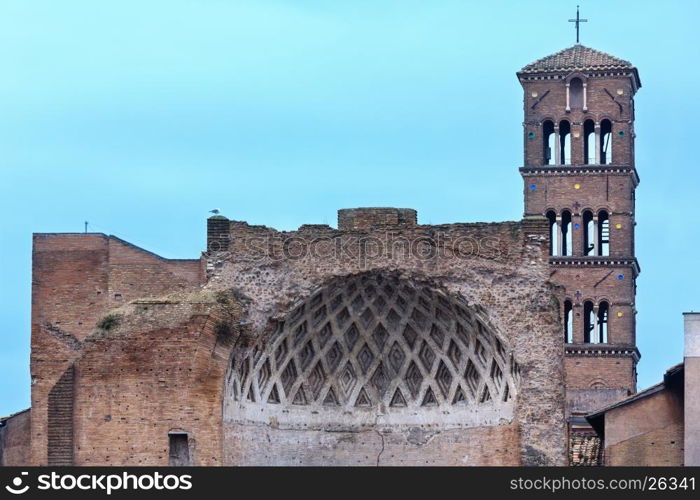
{"points": [[579, 138], [76, 278], [647, 429], [380, 342], [125, 365], [15, 436], [498, 267], [159, 369]]}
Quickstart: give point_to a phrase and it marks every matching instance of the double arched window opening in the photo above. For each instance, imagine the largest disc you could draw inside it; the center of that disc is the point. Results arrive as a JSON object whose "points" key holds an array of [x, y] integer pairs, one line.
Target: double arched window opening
{"points": [[557, 143], [595, 322], [596, 233]]}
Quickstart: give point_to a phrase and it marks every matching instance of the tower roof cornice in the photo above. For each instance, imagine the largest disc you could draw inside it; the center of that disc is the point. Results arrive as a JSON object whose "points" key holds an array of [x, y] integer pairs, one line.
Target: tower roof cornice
{"points": [[579, 58]]}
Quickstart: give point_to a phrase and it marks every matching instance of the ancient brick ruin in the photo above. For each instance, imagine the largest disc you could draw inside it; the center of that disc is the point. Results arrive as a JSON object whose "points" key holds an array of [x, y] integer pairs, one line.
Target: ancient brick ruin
{"points": [[380, 342]]}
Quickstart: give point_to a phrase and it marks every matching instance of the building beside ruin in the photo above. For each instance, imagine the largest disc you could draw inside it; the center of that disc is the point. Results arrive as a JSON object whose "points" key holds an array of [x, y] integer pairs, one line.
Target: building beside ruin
{"points": [[658, 426], [380, 342]]}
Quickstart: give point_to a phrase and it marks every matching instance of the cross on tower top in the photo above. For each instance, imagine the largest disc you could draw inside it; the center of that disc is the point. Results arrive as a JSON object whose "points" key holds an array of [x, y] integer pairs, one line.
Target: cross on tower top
{"points": [[578, 20]]}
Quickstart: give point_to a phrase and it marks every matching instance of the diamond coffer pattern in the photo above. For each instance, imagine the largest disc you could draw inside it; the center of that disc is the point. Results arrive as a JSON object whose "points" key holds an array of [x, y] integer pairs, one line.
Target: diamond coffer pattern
{"points": [[371, 339]]}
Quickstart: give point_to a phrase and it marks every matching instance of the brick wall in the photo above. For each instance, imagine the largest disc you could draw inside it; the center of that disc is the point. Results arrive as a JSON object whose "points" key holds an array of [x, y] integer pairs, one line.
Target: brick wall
{"points": [[60, 424], [15, 435], [646, 432], [600, 106], [366, 218], [497, 266], [604, 189], [604, 372], [75, 279], [160, 369], [578, 187], [656, 448], [159, 365]]}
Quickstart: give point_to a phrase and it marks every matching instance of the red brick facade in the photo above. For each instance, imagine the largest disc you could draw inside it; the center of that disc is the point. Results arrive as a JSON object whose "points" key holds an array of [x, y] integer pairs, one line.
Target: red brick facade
{"points": [[647, 429], [167, 361], [567, 177], [15, 436], [76, 278]]}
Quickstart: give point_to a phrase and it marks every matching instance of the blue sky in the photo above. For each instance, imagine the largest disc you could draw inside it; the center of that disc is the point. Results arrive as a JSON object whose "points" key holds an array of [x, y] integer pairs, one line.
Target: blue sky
{"points": [[141, 116]]}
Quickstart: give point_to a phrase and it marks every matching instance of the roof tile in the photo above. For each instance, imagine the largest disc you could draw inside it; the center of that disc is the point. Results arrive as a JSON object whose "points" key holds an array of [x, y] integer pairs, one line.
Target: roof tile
{"points": [[577, 57]]}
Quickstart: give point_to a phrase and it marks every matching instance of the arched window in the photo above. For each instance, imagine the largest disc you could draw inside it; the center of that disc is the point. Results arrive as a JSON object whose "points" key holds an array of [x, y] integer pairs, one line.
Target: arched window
{"points": [[576, 93], [588, 233], [589, 321], [589, 142], [603, 234], [602, 328], [553, 233], [605, 142], [568, 322], [566, 233], [564, 142], [548, 142]]}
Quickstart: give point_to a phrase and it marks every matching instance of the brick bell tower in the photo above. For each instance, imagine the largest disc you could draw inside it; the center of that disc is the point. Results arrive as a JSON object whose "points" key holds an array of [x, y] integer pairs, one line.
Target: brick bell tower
{"points": [[579, 172]]}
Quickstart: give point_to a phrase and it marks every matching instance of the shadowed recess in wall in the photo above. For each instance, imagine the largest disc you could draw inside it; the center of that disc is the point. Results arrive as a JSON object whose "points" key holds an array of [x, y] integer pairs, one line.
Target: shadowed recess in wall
{"points": [[372, 341]]}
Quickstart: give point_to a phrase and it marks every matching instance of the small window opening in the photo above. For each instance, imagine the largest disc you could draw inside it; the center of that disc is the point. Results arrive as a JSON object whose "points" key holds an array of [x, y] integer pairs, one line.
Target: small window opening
{"points": [[576, 93], [548, 142], [602, 336], [566, 233], [553, 233], [564, 142], [588, 322], [589, 142], [603, 234], [588, 233], [605, 142], [568, 322], [179, 449]]}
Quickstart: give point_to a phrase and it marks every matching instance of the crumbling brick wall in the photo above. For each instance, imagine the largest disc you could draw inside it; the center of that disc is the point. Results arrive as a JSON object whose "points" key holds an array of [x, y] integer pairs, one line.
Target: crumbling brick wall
{"points": [[499, 267], [157, 369], [146, 366], [76, 278]]}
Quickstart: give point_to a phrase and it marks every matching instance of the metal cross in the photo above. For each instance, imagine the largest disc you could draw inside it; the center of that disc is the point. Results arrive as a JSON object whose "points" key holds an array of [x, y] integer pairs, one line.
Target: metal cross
{"points": [[578, 20]]}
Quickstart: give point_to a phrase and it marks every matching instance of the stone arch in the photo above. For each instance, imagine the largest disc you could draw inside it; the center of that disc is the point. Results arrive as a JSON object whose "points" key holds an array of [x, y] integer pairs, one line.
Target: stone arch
{"points": [[382, 349], [598, 383], [576, 74]]}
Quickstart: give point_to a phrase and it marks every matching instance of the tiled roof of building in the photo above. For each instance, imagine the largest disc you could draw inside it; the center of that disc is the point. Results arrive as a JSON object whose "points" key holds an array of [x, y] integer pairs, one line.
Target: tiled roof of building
{"points": [[577, 57]]}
